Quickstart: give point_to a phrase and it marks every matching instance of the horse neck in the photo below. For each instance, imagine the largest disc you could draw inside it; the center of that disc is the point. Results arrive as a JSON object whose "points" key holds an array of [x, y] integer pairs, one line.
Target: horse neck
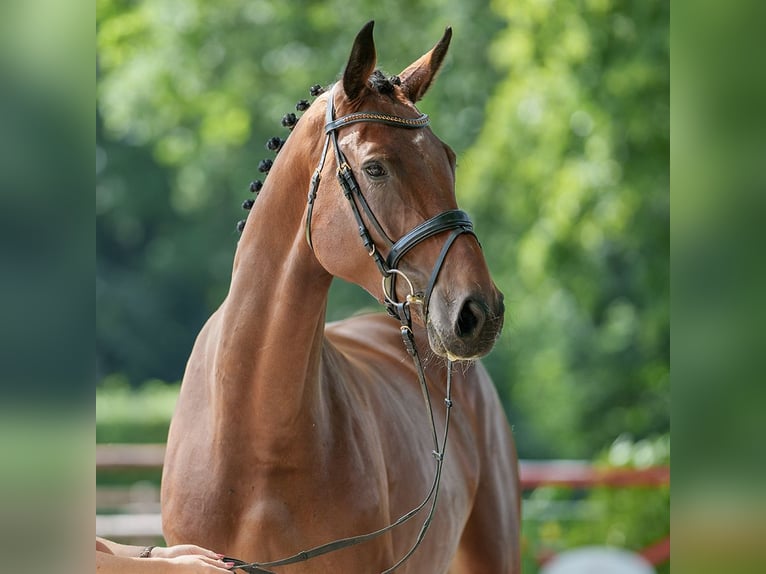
{"points": [[272, 323]]}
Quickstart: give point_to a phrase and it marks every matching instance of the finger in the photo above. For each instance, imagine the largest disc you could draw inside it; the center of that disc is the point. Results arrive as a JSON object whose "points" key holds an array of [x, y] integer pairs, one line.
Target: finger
{"points": [[214, 561], [219, 565], [200, 551], [209, 553]]}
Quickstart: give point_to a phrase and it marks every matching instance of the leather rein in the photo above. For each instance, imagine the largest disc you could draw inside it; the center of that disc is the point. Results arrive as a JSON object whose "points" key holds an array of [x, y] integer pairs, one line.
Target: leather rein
{"points": [[455, 221]]}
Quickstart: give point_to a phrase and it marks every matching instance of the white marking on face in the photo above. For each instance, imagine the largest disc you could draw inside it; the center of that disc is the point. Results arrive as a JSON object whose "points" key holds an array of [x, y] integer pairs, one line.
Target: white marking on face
{"points": [[419, 138]]}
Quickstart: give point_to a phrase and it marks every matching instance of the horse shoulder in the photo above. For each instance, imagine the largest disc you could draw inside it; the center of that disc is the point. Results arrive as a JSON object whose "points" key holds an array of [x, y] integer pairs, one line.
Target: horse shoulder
{"points": [[184, 483]]}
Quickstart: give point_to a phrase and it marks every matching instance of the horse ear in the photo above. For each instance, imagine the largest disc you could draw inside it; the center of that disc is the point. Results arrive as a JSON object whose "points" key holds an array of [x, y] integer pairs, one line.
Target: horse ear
{"points": [[417, 78], [361, 62]]}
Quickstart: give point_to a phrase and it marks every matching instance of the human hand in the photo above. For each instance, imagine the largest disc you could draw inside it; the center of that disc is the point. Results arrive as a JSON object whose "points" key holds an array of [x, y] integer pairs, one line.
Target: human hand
{"points": [[184, 550], [200, 564], [193, 558]]}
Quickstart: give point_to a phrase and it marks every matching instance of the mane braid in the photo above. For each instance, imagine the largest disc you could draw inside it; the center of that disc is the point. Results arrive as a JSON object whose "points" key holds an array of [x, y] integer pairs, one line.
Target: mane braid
{"points": [[382, 84], [275, 144], [378, 81]]}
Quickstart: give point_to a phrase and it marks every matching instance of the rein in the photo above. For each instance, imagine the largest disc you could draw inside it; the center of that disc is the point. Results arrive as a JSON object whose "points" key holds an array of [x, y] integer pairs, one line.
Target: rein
{"points": [[455, 221]]}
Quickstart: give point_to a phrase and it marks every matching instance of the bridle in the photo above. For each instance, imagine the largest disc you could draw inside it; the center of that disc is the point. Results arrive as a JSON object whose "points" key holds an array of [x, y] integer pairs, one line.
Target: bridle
{"points": [[455, 221]]}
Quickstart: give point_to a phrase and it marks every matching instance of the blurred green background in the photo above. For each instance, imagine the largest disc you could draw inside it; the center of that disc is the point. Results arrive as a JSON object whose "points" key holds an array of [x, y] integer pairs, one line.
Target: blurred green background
{"points": [[559, 114]]}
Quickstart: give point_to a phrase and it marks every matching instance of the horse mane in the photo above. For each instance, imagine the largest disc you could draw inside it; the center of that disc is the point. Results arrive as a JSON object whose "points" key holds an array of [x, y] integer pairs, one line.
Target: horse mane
{"points": [[382, 84]]}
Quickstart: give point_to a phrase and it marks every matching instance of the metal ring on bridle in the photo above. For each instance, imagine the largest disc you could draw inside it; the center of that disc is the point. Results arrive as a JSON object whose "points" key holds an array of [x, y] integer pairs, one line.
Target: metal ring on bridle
{"points": [[392, 297]]}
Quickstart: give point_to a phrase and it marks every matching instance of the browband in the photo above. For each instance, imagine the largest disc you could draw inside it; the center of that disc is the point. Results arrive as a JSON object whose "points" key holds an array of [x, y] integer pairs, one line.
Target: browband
{"points": [[396, 121]]}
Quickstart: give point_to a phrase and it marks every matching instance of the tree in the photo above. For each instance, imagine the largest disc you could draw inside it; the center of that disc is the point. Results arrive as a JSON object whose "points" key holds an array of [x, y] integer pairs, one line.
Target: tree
{"points": [[571, 174]]}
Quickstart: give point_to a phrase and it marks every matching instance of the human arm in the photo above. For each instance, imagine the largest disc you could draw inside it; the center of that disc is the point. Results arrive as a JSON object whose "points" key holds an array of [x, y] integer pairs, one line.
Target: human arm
{"points": [[112, 557]]}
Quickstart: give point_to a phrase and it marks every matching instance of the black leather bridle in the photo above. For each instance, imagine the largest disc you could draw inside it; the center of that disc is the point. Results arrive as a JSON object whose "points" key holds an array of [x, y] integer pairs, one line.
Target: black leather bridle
{"points": [[455, 221]]}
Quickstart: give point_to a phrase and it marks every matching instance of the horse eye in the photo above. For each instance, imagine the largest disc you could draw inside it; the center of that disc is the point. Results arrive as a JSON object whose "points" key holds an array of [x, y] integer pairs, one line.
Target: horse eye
{"points": [[374, 169]]}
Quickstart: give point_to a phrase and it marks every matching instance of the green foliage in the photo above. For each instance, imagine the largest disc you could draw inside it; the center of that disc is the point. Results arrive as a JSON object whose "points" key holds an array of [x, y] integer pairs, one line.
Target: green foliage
{"points": [[558, 519], [570, 175], [558, 112], [134, 415]]}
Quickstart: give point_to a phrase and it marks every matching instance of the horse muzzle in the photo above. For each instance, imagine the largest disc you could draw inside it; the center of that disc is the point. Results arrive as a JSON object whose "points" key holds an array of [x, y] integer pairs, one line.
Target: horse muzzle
{"points": [[465, 328]]}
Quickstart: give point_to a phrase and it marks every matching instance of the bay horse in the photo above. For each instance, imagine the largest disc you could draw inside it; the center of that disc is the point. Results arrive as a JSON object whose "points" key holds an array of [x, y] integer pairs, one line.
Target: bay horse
{"points": [[290, 434]]}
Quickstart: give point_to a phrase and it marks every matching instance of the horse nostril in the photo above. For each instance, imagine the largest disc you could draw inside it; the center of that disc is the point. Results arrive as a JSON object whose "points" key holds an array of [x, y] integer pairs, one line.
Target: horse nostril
{"points": [[470, 319]]}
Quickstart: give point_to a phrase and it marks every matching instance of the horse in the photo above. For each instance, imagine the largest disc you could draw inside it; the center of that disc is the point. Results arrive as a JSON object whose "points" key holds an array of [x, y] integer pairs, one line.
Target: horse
{"points": [[292, 438]]}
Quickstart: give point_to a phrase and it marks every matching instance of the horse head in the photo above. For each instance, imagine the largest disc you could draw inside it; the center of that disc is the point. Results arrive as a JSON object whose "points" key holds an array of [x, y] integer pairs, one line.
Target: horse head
{"points": [[400, 183]]}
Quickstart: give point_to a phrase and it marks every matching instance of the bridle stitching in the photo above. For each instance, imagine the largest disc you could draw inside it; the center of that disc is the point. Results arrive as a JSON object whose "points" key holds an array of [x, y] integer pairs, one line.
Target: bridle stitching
{"points": [[419, 122]]}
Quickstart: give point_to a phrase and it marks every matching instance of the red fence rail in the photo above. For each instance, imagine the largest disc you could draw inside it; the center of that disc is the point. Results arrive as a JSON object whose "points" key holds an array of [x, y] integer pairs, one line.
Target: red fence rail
{"points": [[533, 473], [582, 474]]}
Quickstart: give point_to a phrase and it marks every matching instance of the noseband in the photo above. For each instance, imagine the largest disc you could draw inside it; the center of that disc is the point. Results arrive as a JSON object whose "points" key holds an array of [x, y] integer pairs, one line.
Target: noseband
{"points": [[453, 220]]}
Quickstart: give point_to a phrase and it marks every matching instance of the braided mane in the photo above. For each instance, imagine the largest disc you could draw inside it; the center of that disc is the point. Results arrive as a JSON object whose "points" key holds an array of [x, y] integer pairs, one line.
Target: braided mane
{"points": [[378, 81]]}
